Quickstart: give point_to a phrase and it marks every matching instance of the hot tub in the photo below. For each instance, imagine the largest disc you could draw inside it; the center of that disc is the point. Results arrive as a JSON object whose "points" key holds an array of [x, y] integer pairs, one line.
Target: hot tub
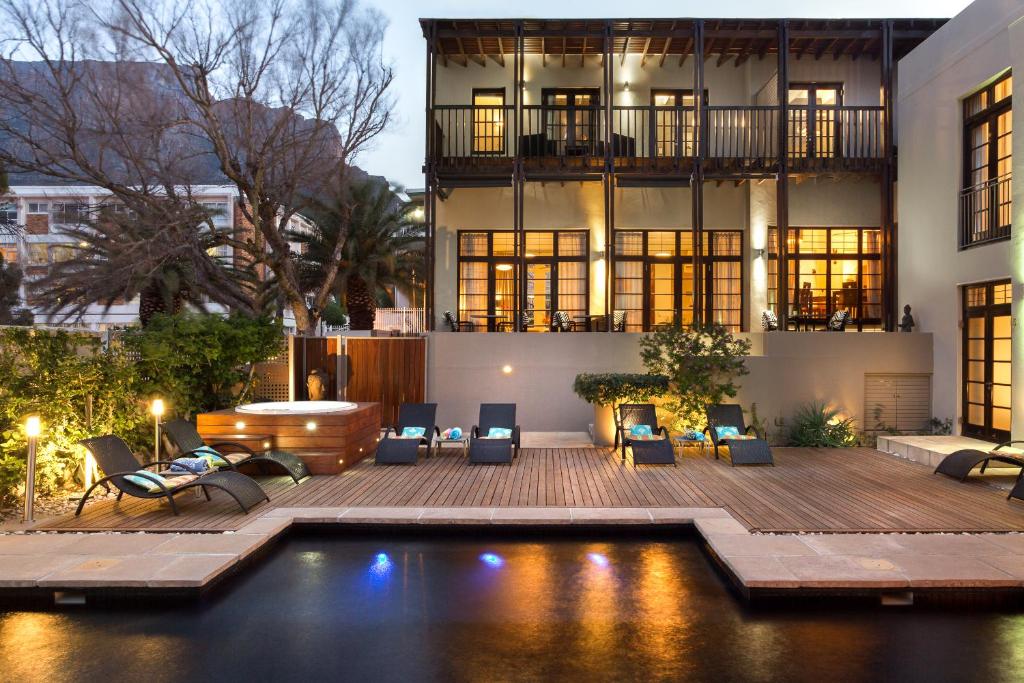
{"points": [[296, 407]]}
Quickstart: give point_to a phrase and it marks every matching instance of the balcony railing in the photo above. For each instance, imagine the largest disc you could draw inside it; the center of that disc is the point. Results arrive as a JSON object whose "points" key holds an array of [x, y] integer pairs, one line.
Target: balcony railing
{"points": [[653, 136], [985, 211]]}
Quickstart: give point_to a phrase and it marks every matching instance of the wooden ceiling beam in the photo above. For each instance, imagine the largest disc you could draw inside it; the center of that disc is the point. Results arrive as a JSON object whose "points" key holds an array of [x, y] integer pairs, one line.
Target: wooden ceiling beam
{"points": [[543, 53], [501, 52], [625, 49], [724, 55], [686, 50], [643, 57], [664, 49], [564, 39], [583, 52]]}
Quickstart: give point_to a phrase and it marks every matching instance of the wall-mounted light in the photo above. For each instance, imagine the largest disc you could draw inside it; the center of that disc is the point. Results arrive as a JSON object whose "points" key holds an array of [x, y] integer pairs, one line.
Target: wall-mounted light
{"points": [[758, 253]]}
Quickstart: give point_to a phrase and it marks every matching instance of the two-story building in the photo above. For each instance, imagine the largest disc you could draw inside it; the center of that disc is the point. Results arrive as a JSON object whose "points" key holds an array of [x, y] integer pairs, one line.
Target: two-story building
{"points": [[634, 173]]}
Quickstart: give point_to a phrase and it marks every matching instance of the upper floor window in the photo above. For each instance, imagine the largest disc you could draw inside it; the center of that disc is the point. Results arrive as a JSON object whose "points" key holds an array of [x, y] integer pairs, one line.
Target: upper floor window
{"points": [[8, 213], [985, 201], [489, 121], [813, 114], [571, 117]]}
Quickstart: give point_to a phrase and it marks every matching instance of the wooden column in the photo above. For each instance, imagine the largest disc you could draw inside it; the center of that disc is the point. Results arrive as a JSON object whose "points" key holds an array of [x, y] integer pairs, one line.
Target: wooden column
{"points": [[697, 177], [782, 182], [518, 180], [608, 177], [890, 305], [430, 183]]}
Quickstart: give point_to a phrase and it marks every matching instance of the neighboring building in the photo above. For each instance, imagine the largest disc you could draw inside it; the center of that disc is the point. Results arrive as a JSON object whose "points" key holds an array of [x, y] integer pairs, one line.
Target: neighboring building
{"points": [[961, 247], [571, 167], [38, 208]]}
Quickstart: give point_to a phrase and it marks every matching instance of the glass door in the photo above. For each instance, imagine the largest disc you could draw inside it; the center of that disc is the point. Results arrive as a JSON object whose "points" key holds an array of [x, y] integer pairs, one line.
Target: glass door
{"points": [[570, 119], [813, 118], [986, 361]]}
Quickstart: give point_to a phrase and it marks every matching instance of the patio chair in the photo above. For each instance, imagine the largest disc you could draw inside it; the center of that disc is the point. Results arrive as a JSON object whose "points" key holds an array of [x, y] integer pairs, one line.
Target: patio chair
{"points": [[959, 464], [184, 435], [119, 463], [526, 321], [396, 450], [838, 321], [560, 322], [483, 449], [457, 325], [656, 449], [618, 321], [743, 449]]}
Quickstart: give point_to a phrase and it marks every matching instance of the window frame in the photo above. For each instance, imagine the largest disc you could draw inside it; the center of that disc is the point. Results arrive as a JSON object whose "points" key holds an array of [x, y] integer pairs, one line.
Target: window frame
{"points": [[810, 150], [989, 115], [473, 138], [491, 260]]}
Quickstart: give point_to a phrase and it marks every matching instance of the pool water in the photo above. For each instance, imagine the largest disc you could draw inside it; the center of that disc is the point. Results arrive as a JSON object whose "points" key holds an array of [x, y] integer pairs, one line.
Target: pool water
{"points": [[463, 609]]}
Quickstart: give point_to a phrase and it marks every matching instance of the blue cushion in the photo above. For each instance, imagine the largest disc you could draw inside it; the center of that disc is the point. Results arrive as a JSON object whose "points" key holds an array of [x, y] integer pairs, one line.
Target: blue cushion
{"points": [[640, 430], [191, 465], [726, 432], [215, 459], [499, 433], [693, 435], [147, 482], [413, 432]]}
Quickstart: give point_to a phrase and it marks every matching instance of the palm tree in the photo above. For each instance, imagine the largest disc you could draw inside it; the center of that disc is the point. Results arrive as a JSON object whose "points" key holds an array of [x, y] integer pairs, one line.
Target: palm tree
{"points": [[166, 260], [380, 246]]}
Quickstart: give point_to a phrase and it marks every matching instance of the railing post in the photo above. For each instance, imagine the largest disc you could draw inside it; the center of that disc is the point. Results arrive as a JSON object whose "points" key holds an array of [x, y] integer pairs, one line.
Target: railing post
{"points": [[782, 181], [697, 178]]}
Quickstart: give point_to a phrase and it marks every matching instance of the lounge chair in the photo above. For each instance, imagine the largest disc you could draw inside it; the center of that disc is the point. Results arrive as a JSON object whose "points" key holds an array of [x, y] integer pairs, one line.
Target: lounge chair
{"points": [[395, 450], [186, 438], [959, 464], [494, 450], [118, 463], [743, 449], [655, 448]]}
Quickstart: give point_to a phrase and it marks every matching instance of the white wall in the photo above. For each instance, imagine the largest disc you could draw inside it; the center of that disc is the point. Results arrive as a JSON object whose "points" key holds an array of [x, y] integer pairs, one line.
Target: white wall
{"points": [[970, 50]]}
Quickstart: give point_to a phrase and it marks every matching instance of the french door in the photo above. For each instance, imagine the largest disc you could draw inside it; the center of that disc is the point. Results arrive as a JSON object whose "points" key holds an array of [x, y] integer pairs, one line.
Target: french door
{"points": [[986, 361], [813, 123], [570, 119]]}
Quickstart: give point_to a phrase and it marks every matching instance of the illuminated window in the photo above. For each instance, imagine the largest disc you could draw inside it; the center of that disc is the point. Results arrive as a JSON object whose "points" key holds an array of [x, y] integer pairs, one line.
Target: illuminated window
{"points": [[813, 113], [673, 119], [489, 121], [986, 201]]}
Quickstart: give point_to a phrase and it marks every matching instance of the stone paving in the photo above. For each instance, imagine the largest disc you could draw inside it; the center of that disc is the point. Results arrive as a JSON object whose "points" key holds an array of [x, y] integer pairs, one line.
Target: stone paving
{"points": [[780, 563]]}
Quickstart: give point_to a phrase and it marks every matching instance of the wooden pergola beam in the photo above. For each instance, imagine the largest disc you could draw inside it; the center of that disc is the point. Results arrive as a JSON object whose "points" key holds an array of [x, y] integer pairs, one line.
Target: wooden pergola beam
{"points": [[664, 49], [543, 53], [643, 57], [724, 55], [686, 50], [583, 52], [625, 49]]}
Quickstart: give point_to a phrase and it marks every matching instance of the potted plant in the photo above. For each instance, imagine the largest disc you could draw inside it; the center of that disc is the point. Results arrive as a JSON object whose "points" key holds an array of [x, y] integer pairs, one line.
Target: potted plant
{"points": [[605, 391]]}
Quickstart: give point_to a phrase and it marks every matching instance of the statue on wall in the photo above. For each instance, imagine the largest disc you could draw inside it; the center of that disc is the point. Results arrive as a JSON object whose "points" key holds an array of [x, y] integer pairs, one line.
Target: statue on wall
{"points": [[907, 322], [316, 384]]}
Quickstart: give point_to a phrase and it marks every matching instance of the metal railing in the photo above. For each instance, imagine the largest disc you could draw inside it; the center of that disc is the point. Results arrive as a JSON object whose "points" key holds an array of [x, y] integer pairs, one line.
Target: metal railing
{"points": [[478, 135], [404, 320], [985, 211]]}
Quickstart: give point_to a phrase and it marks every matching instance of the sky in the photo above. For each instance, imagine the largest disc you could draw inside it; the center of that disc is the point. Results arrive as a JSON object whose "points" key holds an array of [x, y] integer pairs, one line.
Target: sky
{"points": [[398, 153]]}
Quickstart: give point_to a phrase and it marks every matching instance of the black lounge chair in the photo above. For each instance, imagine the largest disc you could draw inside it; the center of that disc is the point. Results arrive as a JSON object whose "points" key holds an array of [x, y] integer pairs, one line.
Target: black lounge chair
{"points": [[741, 451], [184, 435], [117, 462], [393, 450], [959, 464], [492, 451], [652, 452]]}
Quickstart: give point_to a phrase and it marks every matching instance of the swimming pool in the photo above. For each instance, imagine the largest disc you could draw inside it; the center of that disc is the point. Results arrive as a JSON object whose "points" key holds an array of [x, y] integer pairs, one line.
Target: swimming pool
{"points": [[462, 609]]}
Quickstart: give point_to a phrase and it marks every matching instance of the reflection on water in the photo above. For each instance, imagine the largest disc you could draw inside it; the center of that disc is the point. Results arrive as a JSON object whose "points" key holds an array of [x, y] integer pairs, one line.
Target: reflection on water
{"points": [[466, 610]]}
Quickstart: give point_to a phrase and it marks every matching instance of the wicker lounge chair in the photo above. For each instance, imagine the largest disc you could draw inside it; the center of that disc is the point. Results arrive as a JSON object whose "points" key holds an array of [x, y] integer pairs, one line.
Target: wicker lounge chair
{"points": [[645, 452], [741, 451], [186, 438], [487, 450], [959, 464], [394, 450], [118, 462]]}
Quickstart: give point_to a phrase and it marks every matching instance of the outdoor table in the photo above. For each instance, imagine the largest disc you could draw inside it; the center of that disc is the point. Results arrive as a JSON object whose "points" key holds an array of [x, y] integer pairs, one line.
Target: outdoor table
{"points": [[588, 320], [464, 440], [491, 318], [680, 442]]}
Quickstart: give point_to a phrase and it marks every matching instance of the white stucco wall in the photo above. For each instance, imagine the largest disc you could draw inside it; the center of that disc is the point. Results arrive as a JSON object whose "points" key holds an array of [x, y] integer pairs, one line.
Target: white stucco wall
{"points": [[969, 51]]}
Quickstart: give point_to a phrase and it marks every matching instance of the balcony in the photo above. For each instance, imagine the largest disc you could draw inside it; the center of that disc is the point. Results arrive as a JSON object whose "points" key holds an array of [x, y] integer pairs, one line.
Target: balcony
{"points": [[480, 140], [985, 211]]}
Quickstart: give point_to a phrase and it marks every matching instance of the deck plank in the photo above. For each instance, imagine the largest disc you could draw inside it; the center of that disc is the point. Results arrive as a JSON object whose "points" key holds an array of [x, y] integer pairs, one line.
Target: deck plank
{"points": [[809, 490]]}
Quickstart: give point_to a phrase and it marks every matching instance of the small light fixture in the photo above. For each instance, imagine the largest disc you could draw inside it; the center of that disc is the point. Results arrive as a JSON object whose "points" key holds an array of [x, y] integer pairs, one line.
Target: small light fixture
{"points": [[156, 409], [758, 253], [507, 369], [266, 444], [33, 428], [240, 425], [83, 244], [503, 267], [311, 426], [529, 255], [625, 86], [417, 213], [662, 254]]}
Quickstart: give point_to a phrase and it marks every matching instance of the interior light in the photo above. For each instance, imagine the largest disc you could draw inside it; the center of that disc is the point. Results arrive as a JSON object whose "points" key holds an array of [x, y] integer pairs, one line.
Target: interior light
{"points": [[266, 444], [662, 254], [598, 559], [529, 255], [503, 267]]}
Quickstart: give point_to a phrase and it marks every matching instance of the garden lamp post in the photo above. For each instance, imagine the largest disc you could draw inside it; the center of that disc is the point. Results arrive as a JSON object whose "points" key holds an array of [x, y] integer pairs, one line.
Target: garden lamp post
{"points": [[157, 410], [32, 430]]}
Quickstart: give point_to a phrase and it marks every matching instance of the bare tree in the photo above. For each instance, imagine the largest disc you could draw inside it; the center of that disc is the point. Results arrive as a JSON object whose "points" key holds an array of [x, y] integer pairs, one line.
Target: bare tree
{"points": [[287, 93]]}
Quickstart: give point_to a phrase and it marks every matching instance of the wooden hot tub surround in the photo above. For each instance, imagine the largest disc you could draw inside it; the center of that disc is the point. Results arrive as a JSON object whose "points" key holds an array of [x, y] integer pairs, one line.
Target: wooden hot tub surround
{"points": [[336, 442]]}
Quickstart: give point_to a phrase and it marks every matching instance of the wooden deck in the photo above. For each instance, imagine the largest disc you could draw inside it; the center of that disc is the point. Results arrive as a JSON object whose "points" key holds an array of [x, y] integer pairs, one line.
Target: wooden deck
{"points": [[809, 490]]}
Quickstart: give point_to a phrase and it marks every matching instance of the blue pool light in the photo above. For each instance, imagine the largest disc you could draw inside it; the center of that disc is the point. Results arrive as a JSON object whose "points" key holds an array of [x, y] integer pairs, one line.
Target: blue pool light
{"points": [[598, 559], [492, 560], [381, 565]]}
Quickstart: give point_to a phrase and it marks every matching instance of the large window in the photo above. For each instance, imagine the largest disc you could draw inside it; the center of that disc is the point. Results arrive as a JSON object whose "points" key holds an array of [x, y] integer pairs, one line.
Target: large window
{"points": [[489, 121], [654, 278], [985, 201], [556, 276], [830, 269]]}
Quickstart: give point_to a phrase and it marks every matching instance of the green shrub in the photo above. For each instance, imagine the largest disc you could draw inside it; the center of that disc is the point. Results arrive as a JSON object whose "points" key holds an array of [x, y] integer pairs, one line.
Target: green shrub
{"points": [[702, 365], [613, 388], [198, 363], [57, 376], [819, 426]]}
